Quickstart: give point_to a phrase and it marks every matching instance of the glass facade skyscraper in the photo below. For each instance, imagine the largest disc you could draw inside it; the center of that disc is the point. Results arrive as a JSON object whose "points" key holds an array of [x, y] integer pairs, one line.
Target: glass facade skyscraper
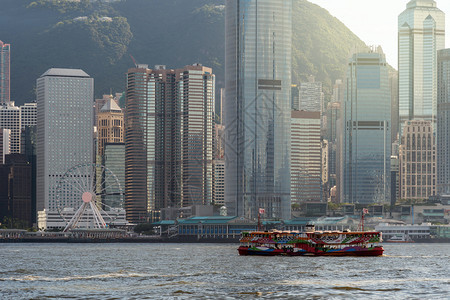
{"points": [[114, 159], [5, 54], [258, 38], [421, 32], [443, 123], [169, 127], [366, 130]]}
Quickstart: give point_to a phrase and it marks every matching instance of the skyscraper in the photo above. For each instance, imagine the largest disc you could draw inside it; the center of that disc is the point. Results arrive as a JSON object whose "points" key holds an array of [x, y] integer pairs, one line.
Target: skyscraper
{"points": [[258, 39], [333, 114], [114, 160], [10, 119], [5, 52], [443, 123], [169, 139], [64, 130], [15, 189], [306, 157], [417, 160], [110, 127], [421, 32], [16, 118], [366, 130], [311, 96], [393, 84], [4, 144]]}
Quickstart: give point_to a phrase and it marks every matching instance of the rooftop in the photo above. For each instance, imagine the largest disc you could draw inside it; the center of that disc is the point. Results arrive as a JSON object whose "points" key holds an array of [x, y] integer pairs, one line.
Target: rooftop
{"points": [[111, 105], [57, 72]]}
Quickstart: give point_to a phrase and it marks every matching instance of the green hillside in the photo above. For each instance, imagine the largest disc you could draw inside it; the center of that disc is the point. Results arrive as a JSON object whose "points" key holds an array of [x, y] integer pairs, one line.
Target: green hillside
{"points": [[101, 37]]}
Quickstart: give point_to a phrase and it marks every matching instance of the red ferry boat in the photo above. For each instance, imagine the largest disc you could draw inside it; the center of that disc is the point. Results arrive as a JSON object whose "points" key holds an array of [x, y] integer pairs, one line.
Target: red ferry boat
{"points": [[311, 242]]}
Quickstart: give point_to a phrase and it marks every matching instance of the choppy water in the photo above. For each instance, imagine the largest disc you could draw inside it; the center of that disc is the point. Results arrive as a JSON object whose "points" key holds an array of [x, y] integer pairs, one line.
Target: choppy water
{"points": [[215, 271]]}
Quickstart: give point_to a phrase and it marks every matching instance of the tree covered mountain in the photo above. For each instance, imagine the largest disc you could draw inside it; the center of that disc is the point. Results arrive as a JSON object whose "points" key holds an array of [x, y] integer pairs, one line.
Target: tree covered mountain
{"points": [[101, 36]]}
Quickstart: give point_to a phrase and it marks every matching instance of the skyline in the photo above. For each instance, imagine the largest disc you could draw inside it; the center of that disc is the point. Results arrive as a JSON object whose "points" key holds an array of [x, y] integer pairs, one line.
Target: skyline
{"points": [[368, 26]]}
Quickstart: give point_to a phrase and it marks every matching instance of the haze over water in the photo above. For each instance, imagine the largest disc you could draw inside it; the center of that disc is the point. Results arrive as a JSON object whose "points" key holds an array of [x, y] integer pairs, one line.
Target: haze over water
{"points": [[216, 271]]}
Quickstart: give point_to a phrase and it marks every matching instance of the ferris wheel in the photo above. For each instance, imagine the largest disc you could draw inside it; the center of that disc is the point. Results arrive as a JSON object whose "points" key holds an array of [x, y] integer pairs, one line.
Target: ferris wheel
{"points": [[93, 191]]}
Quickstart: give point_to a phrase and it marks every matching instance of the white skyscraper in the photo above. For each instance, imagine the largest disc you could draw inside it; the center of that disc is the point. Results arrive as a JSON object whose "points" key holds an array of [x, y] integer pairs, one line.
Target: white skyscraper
{"points": [[64, 129], [10, 119], [28, 114], [421, 33], [16, 118]]}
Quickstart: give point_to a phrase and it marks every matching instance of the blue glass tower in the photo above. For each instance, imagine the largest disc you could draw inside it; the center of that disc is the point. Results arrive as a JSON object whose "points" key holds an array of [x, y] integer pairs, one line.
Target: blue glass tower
{"points": [[257, 107], [443, 123], [366, 130]]}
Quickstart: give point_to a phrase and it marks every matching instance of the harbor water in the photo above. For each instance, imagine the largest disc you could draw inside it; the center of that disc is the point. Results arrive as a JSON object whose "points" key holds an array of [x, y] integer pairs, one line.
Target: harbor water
{"points": [[216, 271]]}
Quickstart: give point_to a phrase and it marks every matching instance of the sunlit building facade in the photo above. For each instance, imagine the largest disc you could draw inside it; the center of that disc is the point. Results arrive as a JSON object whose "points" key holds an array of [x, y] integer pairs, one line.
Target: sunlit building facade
{"points": [[169, 139], [306, 157], [366, 131], [417, 161], [5, 73], [258, 40], [421, 33], [311, 96], [110, 127]]}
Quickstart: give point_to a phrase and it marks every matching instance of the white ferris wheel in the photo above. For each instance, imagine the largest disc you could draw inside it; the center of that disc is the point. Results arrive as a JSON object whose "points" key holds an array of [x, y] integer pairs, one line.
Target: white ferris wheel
{"points": [[93, 192]]}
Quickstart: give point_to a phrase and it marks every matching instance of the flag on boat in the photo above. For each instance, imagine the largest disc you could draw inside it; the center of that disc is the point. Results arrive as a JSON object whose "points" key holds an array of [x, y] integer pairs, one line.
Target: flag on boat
{"points": [[262, 211], [365, 211]]}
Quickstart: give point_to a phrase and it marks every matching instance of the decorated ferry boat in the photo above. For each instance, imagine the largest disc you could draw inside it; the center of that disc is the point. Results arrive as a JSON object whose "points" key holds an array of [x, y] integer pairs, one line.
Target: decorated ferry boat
{"points": [[311, 242]]}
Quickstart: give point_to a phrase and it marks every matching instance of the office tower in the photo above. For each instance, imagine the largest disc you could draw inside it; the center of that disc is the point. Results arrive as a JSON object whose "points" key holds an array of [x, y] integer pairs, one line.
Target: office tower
{"points": [[333, 114], [5, 73], [222, 99], [325, 170], [4, 144], [393, 85], [110, 126], [15, 189], [311, 96], [10, 119], [16, 118], [28, 114], [64, 130], [338, 91], [443, 123], [421, 32], [218, 192], [366, 131], [219, 182], [306, 157], [28, 145], [99, 103], [114, 160], [258, 37], [295, 97], [417, 161], [395, 180], [219, 147], [169, 139]]}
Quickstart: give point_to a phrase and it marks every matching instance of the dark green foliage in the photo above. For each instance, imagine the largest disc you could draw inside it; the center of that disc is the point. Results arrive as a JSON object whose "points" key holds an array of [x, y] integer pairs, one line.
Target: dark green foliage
{"points": [[10, 223], [50, 33]]}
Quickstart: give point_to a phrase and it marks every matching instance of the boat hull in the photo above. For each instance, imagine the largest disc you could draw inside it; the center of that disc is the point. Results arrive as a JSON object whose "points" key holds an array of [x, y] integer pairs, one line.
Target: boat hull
{"points": [[350, 251]]}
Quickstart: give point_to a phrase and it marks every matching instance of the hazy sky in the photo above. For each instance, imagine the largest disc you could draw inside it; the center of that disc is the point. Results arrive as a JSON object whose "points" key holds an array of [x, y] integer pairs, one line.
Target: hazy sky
{"points": [[375, 21]]}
